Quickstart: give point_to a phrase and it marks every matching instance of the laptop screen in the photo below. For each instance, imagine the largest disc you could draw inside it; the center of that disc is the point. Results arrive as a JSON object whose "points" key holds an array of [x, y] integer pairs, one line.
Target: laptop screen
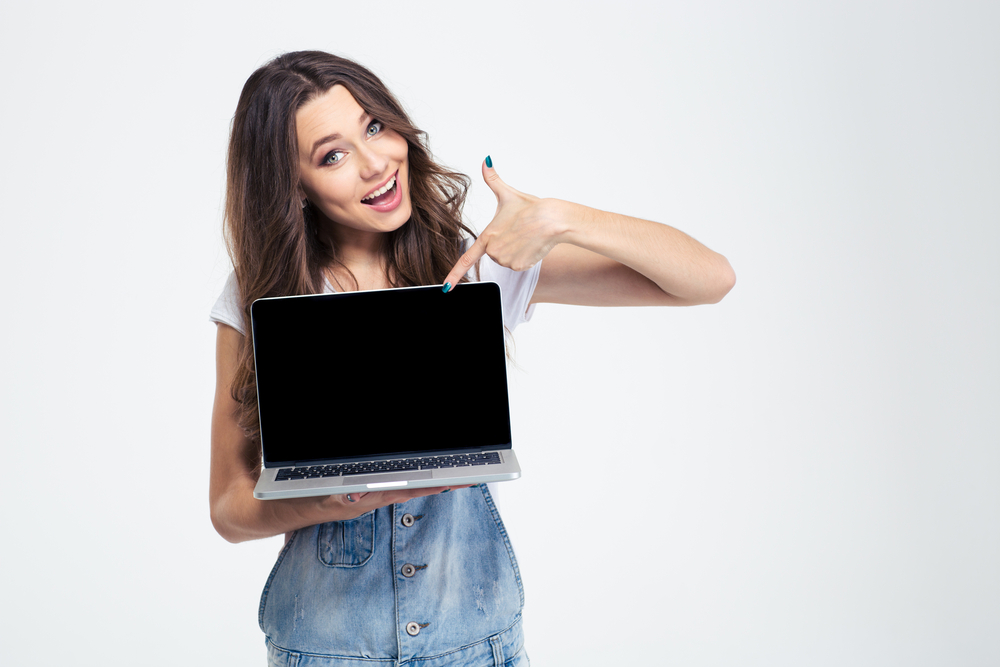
{"points": [[386, 372]]}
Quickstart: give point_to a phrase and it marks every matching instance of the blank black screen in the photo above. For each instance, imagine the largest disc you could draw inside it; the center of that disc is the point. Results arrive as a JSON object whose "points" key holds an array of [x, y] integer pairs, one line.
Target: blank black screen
{"points": [[382, 372]]}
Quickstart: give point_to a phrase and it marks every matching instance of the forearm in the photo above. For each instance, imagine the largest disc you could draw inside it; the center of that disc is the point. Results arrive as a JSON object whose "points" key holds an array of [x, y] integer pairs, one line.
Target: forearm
{"points": [[239, 517], [678, 264]]}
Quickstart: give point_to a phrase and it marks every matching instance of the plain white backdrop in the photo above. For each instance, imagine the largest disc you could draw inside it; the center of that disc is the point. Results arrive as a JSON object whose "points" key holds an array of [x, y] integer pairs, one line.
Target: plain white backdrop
{"points": [[805, 474]]}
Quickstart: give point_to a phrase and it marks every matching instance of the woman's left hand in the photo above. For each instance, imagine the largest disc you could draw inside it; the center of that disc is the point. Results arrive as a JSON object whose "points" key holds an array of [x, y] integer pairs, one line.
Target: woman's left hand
{"points": [[523, 231], [602, 258]]}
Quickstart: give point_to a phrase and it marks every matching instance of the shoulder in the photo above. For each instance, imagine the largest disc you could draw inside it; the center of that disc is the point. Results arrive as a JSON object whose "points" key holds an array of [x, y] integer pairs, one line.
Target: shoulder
{"points": [[227, 308]]}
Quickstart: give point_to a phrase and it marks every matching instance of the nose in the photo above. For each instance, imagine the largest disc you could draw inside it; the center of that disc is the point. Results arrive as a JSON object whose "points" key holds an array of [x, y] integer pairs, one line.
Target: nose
{"points": [[373, 163]]}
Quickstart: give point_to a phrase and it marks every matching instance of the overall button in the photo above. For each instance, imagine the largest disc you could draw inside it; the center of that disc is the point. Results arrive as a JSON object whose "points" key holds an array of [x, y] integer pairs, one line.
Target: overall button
{"points": [[412, 629], [409, 571], [408, 520]]}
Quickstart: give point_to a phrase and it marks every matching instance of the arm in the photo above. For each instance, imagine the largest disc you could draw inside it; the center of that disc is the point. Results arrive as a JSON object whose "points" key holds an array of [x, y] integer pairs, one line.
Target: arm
{"points": [[236, 514], [596, 258]]}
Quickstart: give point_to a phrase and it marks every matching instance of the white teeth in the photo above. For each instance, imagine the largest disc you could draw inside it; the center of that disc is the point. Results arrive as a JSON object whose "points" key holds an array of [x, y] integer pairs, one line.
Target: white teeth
{"points": [[382, 190]]}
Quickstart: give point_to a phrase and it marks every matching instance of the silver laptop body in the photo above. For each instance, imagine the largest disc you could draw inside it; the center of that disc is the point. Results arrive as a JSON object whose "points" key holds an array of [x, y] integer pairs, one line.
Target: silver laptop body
{"points": [[382, 389]]}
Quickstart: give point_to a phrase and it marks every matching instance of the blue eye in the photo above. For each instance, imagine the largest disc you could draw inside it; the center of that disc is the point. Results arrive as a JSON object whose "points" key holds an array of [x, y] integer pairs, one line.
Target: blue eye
{"points": [[333, 157], [374, 128]]}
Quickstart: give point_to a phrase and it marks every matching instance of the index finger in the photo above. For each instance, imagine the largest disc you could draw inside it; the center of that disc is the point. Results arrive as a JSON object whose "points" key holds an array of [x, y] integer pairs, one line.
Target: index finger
{"points": [[465, 262]]}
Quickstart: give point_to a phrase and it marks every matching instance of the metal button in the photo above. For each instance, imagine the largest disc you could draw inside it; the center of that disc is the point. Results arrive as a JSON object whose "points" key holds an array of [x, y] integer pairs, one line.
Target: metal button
{"points": [[409, 570], [408, 520], [412, 629]]}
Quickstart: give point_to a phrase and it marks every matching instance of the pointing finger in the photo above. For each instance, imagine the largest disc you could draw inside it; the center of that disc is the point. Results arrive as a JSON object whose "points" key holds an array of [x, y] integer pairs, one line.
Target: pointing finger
{"points": [[465, 262]]}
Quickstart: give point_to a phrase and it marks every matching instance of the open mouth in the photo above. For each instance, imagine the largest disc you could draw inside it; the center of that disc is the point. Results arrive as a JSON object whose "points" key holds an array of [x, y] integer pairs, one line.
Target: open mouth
{"points": [[383, 195]]}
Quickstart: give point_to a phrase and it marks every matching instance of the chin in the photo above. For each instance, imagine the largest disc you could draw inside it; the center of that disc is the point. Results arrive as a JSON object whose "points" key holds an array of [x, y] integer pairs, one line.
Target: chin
{"points": [[404, 212]]}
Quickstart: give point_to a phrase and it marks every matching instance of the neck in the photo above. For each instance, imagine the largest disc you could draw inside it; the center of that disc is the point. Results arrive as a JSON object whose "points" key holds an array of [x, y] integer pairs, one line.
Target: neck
{"points": [[362, 254]]}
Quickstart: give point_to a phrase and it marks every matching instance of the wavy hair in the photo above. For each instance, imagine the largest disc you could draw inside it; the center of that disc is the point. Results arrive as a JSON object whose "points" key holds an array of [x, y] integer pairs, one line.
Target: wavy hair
{"points": [[274, 243]]}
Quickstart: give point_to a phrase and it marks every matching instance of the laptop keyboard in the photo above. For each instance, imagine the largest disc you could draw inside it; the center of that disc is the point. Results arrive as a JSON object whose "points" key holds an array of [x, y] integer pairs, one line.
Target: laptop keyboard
{"points": [[392, 465]]}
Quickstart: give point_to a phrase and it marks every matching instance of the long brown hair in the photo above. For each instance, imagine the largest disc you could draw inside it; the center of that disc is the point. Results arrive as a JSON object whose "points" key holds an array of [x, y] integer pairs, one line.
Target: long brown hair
{"points": [[273, 241]]}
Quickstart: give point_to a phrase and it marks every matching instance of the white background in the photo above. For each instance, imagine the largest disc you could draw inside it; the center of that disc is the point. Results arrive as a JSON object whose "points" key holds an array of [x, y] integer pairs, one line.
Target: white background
{"points": [[804, 474]]}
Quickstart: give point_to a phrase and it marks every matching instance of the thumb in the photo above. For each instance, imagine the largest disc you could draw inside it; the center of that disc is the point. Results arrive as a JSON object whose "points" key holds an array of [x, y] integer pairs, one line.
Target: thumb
{"points": [[493, 179]]}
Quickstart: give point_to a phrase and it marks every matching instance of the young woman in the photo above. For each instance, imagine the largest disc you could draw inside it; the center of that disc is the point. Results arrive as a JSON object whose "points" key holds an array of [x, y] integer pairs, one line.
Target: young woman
{"points": [[331, 188]]}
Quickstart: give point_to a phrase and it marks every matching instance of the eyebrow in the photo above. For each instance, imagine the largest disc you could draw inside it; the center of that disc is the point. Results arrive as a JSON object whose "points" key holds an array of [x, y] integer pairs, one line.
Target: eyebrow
{"points": [[335, 135]]}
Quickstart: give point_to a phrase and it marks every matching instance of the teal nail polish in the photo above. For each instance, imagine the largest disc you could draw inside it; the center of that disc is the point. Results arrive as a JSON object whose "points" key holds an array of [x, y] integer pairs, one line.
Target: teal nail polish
{"points": [[489, 162], [446, 491], [446, 288]]}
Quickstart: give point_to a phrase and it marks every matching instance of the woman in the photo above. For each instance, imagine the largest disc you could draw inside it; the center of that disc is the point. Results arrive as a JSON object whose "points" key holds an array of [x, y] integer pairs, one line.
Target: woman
{"points": [[331, 188]]}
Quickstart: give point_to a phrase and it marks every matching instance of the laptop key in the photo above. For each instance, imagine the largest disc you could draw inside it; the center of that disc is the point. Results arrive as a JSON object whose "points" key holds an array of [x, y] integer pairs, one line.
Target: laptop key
{"points": [[374, 467]]}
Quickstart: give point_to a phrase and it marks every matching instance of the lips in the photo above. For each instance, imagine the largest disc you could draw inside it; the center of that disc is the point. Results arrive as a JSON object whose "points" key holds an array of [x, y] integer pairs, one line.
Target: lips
{"points": [[382, 197], [386, 197], [381, 189]]}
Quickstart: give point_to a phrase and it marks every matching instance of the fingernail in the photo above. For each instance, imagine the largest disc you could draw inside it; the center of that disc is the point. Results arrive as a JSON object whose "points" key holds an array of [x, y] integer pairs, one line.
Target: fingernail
{"points": [[446, 288], [489, 162], [446, 491]]}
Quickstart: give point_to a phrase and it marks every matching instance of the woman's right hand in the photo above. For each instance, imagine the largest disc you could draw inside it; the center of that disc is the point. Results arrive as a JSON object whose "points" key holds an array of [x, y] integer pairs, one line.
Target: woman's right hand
{"points": [[343, 509]]}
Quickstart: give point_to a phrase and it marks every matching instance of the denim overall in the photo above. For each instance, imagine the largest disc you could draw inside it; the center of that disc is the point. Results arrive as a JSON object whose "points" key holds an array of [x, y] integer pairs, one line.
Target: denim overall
{"points": [[426, 583]]}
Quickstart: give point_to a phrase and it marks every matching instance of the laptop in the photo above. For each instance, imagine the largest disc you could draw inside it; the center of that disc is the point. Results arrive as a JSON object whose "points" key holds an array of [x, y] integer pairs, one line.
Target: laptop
{"points": [[382, 389]]}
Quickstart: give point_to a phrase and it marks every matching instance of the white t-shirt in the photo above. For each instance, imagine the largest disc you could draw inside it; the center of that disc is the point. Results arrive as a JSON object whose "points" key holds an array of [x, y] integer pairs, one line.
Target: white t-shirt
{"points": [[516, 288]]}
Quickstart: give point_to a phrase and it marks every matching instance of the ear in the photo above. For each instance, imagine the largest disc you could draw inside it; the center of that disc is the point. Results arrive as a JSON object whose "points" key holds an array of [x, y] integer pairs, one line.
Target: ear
{"points": [[300, 193]]}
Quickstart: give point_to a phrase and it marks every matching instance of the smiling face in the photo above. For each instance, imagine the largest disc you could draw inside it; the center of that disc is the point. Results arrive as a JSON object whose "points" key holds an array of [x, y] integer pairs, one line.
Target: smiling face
{"points": [[352, 169]]}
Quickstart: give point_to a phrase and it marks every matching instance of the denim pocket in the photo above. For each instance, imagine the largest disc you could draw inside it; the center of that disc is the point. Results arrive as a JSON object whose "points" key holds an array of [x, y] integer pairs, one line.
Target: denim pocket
{"points": [[347, 543]]}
